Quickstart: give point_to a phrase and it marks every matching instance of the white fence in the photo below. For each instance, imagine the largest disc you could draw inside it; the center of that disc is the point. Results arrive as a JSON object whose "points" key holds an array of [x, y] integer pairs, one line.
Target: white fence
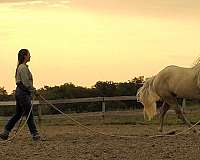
{"points": [[103, 100]]}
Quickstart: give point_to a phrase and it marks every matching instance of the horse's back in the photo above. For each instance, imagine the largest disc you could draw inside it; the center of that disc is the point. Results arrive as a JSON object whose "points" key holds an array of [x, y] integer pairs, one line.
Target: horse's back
{"points": [[169, 73], [174, 79]]}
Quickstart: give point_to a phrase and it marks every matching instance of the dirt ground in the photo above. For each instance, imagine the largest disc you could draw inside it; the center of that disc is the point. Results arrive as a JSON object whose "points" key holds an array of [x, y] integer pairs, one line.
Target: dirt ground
{"points": [[67, 141]]}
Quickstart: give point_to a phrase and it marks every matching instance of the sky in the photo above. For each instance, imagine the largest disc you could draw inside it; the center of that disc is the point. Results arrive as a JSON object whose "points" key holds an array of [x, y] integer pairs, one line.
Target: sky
{"points": [[85, 41]]}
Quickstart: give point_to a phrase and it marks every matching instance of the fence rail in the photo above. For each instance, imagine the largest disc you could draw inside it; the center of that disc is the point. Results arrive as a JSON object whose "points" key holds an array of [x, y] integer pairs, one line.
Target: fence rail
{"points": [[103, 100], [75, 100]]}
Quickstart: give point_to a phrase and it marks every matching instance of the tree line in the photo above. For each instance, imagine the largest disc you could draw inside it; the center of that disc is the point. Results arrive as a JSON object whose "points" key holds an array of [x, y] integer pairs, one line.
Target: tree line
{"points": [[100, 89]]}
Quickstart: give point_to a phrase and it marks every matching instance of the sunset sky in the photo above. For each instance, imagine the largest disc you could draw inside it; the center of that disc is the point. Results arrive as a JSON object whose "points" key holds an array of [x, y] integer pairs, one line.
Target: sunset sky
{"points": [[84, 41]]}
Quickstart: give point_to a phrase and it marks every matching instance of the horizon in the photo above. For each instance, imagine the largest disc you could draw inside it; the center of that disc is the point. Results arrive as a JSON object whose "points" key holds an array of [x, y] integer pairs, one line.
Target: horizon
{"points": [[83, 42], [76, 85]]}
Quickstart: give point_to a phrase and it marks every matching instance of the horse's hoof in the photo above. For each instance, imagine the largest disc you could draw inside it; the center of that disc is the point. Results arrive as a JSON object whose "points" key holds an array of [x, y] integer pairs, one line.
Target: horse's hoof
{"points": [[172, 132]]}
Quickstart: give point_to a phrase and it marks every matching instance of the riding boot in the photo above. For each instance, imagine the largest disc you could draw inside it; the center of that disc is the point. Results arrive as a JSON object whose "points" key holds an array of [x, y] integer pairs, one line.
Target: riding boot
{"points": [[4, 135], [36, 137]]}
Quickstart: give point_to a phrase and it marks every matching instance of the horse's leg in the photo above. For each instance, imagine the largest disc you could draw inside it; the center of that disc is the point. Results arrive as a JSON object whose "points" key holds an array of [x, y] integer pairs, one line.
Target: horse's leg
{"points": [[181, 116], [164, 108], [179, 111]]}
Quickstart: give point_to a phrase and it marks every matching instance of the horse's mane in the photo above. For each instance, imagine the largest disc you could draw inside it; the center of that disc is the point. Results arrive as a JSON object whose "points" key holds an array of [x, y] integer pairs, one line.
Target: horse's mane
{"points": [[196, 62]]}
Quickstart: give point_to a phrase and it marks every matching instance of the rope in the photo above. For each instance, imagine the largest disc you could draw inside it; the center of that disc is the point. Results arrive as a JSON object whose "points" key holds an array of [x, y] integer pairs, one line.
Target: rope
{"points": [[112, 135], [81, 125], [87, 128], [177, 134], [20, 129]]}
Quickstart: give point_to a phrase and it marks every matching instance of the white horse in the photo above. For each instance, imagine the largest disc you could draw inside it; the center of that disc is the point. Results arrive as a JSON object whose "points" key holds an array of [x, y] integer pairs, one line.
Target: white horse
{"points": [[169, 84]]}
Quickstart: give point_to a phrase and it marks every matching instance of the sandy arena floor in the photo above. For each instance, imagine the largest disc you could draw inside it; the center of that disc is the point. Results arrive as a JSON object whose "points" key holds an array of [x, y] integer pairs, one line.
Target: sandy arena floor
{"points": [[72, 142], [62, 140]]}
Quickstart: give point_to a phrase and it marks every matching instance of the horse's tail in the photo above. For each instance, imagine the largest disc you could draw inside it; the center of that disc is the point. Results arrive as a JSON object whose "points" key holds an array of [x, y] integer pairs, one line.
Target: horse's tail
{"points": [[148, 97]]}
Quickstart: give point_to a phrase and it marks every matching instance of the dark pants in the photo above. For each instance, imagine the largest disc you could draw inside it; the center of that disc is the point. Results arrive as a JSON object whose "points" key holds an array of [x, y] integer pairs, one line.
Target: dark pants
{"points": [[23, 106]]}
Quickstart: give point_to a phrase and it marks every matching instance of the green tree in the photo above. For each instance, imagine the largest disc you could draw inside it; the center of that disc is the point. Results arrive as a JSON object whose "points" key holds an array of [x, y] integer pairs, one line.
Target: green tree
{"points": [[107, 88], [3, 94]]}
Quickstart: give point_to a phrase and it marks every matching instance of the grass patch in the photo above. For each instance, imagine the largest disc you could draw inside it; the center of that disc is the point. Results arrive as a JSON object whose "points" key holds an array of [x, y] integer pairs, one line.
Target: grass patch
{"points": [[114, 118]]}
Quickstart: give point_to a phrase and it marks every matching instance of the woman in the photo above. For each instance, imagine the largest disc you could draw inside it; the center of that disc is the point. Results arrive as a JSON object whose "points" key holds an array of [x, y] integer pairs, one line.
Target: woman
{"points": [[23, 96]]}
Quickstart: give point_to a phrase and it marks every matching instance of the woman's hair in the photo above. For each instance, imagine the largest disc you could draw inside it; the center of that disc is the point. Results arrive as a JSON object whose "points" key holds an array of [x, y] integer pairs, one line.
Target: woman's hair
{"points": [[21, 54]]}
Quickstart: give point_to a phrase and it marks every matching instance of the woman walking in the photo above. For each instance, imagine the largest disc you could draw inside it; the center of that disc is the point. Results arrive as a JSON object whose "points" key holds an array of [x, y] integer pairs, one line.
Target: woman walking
{"points": [[23, 96]]}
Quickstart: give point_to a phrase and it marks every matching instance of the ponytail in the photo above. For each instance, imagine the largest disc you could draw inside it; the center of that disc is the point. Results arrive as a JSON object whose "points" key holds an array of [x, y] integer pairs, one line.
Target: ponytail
{"points": [[21, 58]]}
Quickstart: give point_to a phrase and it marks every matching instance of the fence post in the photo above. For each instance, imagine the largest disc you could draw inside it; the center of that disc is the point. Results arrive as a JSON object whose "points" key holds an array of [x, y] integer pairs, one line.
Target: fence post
{"points": [[39, 114], [103, 108]]}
